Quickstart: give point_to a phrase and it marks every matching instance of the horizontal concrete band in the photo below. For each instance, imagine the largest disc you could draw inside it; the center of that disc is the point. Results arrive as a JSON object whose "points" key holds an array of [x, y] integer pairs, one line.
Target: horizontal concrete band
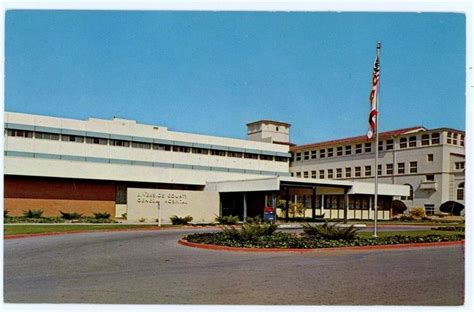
{"points": [[302, 250], [139, 163], [15, 126]]}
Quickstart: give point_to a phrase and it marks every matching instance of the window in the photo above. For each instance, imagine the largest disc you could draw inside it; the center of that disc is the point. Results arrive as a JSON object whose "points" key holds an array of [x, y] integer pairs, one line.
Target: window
{"points": [[161, 147], [380, 146], [368, 147], [461, 140], [448, 138], [322, 153], [358, 148], [409, 197], [330, 174], [339, 151], [368, 171], [425, 139], [403, 142], [292, 174], [220, 153], [234, 154], [459, 165], [197, 150], [313, 174], [121, 195], [389, 169], [96, 141], [460, 191], [330, 152], [266, 157], [430, 158], [298, 174], [181, 149], [306, 155], [47, 136], [321, 174], [339, 173], [313, 154], [430, 177], [20, 133], [348, 172], [429, 209], [401, 168], [305, 174], [455, 138], [250, 156], [379, 170], [298, 156], [72, 138], [357, 171], [435, 138], [280, 158], [119, 143], [389, 145], [413, 166], [412, 141], [348, 150]]}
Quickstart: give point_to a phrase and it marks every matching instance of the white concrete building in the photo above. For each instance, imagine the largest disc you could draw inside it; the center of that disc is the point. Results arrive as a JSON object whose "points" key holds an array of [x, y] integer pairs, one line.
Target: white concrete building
{"points": [[56, 164], [430, 162]]}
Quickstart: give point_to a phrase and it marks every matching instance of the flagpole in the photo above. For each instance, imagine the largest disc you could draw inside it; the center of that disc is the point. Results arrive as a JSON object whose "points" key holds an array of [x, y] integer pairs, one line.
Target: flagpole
{"points": [[376, 182]]}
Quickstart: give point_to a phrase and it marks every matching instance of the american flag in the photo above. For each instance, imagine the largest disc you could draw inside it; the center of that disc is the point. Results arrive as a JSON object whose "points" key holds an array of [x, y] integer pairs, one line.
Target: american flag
{"points": [[373, 96]]}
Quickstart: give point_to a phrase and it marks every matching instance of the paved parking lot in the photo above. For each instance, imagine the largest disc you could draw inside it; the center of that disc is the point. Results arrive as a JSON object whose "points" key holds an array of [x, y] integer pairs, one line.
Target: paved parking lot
{"points": [[150, 267]]}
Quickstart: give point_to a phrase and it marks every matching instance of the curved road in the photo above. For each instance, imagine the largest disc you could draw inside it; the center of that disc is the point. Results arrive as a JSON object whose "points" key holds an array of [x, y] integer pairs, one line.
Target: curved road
{"points": [[150, 267]]}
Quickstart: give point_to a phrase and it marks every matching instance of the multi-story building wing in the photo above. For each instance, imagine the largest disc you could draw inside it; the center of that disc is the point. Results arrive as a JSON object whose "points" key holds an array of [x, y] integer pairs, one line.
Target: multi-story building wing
{"points": [[430, 162]]}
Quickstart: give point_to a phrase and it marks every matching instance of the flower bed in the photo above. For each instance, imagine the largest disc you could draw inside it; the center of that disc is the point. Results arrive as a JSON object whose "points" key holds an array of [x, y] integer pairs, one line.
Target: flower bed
{"points": [[287, 240]]}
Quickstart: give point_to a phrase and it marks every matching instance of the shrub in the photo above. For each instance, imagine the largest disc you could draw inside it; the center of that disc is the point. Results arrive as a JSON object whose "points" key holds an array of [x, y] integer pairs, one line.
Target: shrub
{"points": [[175, 220], [406, 218], [417, 212], [254, 220], [425, 218], [70, 215], [248, 232], [398, 207], [327, 231], [141, 220], [5, 213], [33, 213], [124, 215], [449, 228], [229, 220], [101, 215]]}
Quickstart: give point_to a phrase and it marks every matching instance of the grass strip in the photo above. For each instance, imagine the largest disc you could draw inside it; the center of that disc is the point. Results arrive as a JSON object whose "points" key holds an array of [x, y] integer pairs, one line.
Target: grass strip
{"points": [[36, 229]]}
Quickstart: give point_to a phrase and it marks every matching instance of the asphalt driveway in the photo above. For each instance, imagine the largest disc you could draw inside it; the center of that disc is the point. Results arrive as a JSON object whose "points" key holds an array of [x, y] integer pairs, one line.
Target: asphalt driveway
{"points": [[147, 267]]}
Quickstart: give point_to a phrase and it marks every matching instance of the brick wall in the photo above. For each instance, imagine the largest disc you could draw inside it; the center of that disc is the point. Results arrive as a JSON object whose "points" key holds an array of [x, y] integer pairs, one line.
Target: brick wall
{"points": [[52, 195]]}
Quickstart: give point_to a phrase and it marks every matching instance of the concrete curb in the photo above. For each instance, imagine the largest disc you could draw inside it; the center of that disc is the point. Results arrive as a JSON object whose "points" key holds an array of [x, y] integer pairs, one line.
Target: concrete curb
{"points": [[16, 236], [301, 250]]}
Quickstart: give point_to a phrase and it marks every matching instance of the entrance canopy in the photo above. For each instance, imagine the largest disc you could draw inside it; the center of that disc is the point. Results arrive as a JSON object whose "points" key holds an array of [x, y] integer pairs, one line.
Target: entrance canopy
{"points": [[277, 183]]}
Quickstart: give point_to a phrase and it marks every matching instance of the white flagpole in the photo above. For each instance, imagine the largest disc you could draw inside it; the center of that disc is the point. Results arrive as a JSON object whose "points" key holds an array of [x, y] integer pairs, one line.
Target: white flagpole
{"points": [[376, 191]]}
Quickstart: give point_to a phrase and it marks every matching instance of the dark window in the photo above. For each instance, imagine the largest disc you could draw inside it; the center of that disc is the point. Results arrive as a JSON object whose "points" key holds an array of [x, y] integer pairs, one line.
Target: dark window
{"points": [[368, 171], [348, 150], [368, 147], [250, 156], [46, 136], [321, 174], [20, 133], [380, 145], [72, 138], [330, 174], [401, 168], [313, 174], [181, 149], [330, 152], [339, 173], [430, 157], [413, 166], [358, 148], [266, 157], [348, 172], [313, 154], [357, 172], [306, 155], [435, 138], [234, 154], [298, 156], [322, 153], [412, 141], [99, 141], [162, 147], [403, 142], [119, 143], [218, 152], [389, 169], [280, 158], [430, 177], [339, 151], [197, 150], [425, 139], [389, 145], [305, 174]]}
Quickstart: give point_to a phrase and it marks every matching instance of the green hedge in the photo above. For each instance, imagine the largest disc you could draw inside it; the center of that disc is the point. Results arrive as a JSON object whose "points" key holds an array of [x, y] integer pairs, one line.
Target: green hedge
{"points": [[288, 240], [9, 220]]}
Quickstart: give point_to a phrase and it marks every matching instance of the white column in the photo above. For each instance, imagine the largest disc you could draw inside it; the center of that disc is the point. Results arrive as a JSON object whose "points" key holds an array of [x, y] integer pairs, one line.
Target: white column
{"points": [[322, 204], [245, 207]]}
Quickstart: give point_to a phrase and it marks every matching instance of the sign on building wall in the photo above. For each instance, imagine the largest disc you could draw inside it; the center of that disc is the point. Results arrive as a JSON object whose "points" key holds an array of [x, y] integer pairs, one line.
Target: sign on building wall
{"points": [[146, 203]]}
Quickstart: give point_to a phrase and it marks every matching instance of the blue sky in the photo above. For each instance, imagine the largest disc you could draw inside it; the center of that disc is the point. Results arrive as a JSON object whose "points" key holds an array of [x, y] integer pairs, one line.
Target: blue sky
{"points": [[213, 72]]}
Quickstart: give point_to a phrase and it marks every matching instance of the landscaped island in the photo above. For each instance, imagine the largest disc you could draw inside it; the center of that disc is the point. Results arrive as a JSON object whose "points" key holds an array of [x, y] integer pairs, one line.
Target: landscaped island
{"points": [[313, 236]]}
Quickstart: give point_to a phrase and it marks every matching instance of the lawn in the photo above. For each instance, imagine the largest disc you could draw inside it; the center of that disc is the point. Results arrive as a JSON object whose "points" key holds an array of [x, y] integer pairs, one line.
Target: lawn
{"points": [[38, 228]]}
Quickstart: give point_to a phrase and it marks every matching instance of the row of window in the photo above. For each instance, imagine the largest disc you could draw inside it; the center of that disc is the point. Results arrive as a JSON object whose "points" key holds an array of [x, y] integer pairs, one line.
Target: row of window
{"points": [[122, 143], [387, 145], [358, 171]]}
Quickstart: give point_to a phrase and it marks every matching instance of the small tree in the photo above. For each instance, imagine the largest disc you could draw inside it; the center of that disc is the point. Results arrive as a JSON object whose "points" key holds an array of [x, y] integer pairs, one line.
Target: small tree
{"points": [[417, 212]]}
